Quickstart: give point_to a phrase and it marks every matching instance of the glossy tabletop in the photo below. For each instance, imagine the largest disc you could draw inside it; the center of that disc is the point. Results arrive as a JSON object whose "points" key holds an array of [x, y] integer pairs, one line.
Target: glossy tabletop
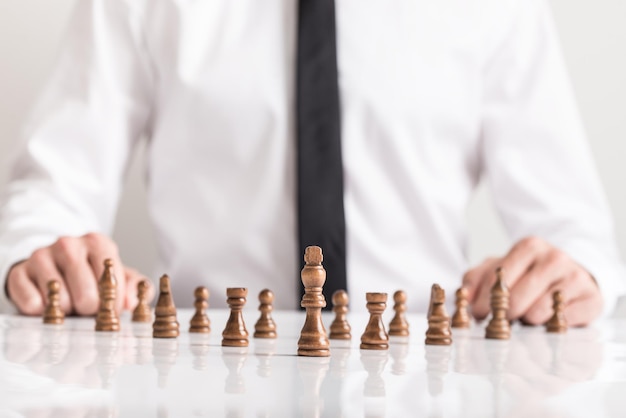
{"points": [[72, 371]]}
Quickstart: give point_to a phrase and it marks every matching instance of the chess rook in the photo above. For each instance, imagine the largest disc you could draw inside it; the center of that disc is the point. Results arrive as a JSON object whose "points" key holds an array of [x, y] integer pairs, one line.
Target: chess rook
{"points": [[53, 313], [499, 327], [399, 327], [375, 337], [265, 327], [438, 332], [142, 312], [340, 328], [165, 323], [557, 323], [200, 322], [313, 340], [235, 333], [107, 318], [461, 318]]}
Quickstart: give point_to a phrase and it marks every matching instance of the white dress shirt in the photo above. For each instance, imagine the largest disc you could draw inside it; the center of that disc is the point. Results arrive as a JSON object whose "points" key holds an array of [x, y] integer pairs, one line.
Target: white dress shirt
{"points": [[435, 96]]}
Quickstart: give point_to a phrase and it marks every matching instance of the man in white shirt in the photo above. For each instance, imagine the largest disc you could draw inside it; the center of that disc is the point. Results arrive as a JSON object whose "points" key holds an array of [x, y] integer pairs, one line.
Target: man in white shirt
{"points": [[434, 97]]}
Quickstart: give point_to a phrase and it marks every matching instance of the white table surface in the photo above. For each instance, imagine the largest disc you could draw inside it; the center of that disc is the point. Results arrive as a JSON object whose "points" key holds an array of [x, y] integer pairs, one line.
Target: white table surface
{"points": [[72, 371]]}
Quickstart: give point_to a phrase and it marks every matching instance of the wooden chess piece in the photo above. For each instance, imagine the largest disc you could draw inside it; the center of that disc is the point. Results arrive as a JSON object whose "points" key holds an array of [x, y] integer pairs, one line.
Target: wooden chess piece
{"points": [[107, 318], [235, 333], [461, 318], [499, 327], [557, 323], [142, 312], [313, 340], [399, 327], [438, 332], [200, 322], [339, 328], [165, 324], [53, 313], [265, 327], [375, 337]]}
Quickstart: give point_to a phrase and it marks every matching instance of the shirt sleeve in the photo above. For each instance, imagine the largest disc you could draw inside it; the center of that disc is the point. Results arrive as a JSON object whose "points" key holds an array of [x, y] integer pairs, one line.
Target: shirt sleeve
{"points": [[536, 160], [67, 171]]}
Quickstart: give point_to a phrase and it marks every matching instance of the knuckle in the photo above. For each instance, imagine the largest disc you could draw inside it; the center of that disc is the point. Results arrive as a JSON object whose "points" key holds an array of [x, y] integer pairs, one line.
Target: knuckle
{"points": [[86, 303], [100, 244], [530, 243], [30, 306], [69, 248], [557, 257], [39, 257]]}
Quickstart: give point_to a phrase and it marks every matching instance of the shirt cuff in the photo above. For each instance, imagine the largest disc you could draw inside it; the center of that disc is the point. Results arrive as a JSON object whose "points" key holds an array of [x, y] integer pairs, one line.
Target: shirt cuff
{"points": [[9, 257], [605, 267]]}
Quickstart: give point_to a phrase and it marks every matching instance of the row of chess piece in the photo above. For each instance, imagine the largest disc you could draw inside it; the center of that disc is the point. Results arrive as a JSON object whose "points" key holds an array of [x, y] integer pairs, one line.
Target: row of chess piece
{"points": [[313, 339]]}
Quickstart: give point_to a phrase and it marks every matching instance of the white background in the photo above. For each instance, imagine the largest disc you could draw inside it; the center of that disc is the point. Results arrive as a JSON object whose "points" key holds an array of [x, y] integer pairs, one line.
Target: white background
{"points": [[593, 35]]}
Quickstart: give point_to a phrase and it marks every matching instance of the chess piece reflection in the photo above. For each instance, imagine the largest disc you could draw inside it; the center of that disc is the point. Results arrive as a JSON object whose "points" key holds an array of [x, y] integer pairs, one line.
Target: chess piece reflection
{"points": [[234, 358], [437, 364], [142, 312], [107, 318], [165, 323], [399, 327], [557, 322], [53, 313], [340, 328], [200, 322], [107, 348], [312, 373], [374, 362], [375, 337], [265, 327], [438, 332], [235, 333], [199, 347], [264, 350], [399, 354], [313, 340], [499, 327], [164, 354], [461, 318]]}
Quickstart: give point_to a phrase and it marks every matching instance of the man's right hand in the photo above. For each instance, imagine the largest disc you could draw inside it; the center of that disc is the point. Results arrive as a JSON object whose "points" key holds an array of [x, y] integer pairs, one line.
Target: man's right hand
{"points": [[77, 263]]}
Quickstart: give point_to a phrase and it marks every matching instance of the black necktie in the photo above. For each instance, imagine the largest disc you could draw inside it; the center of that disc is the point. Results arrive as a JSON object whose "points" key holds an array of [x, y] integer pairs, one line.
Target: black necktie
{"points": [[320, 172]]}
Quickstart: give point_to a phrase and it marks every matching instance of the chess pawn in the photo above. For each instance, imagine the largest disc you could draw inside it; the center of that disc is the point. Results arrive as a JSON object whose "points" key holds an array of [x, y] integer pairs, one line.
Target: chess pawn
{"points": [[142, 312], [53, 313], [340, 329], [375, 337], [438, 332], [557, 323], [399, 327], [313, 341], [265, 327], [461, 318], [499, 327], [235, 333], [165, 323], [107, 319], [200, 322]]}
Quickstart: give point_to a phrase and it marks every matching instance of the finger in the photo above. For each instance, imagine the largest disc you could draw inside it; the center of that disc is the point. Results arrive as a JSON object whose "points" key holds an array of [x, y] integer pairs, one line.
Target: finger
{"points": [[23, 292], [101, 248], [133, 277], [472, 278], [581, 312], [70, 256], [554, 266], [41, 268]]}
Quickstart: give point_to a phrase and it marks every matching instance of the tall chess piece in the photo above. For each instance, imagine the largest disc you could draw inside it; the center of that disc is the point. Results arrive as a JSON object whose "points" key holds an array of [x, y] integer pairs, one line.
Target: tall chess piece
{"points": [[265, 327], [107, 319], [461, 318], [53, 313], [499, 327], [200, 322], [142, 312], [438, 332], [399, 326], [313, 341], [165, 323], [340, 328], [375, 337], [557, 323], [235, 333]]}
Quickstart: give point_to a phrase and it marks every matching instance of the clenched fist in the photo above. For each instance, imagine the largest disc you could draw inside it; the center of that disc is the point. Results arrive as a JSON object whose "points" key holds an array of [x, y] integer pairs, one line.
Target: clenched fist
{"points": [[77, 262], [533, 271]]}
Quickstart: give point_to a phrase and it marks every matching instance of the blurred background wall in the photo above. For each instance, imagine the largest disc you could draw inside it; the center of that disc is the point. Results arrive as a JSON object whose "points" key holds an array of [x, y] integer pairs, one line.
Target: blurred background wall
{"points": [[593, 35]]}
